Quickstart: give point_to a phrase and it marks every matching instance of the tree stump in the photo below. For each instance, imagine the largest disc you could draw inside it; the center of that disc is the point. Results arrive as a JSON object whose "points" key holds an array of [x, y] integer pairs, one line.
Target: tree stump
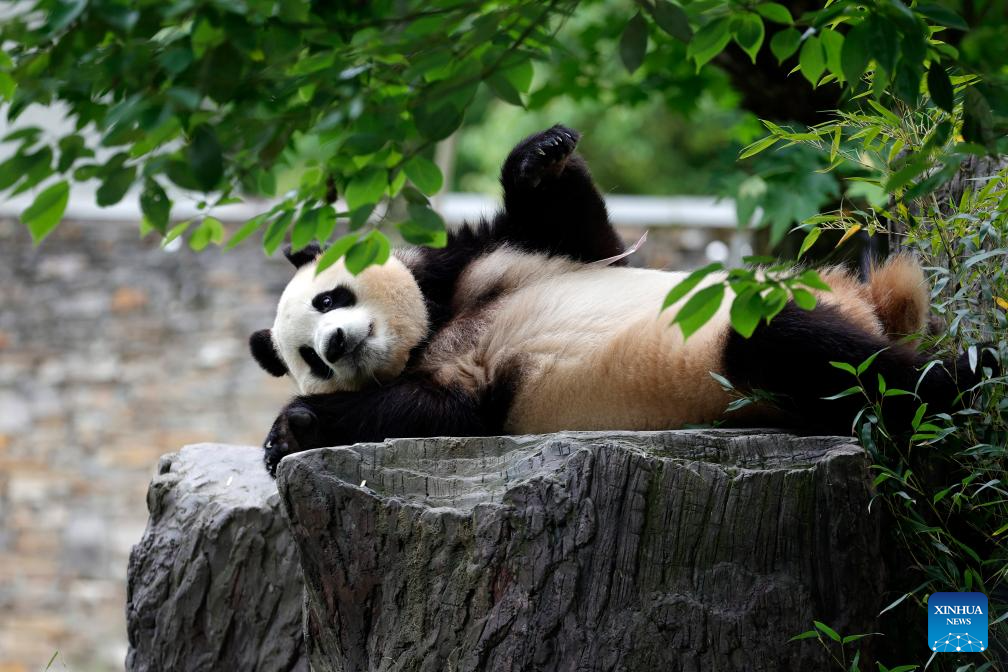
{"points": [[214, 583], [688, 550]]}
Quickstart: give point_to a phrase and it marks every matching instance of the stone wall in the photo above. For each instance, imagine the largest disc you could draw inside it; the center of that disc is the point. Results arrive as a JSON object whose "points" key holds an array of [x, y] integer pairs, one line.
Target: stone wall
{"points": [[112, 352]]}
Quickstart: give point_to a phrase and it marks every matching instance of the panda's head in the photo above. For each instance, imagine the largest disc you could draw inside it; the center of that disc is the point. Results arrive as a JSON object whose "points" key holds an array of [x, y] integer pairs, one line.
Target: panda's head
{"points": [[335, 331]]}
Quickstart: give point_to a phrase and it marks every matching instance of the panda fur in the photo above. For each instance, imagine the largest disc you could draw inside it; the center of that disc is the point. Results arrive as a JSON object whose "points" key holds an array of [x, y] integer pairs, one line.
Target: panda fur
{"points": [[531, 323]]}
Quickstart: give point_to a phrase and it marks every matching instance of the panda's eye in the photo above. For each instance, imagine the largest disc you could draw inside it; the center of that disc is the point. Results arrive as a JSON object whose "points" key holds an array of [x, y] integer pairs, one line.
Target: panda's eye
{"points": [[340, 297]]}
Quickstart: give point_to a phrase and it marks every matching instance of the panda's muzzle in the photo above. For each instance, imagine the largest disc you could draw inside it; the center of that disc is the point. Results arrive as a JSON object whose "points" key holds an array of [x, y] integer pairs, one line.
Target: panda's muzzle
{"points": [[343, 342], [337, 346]]}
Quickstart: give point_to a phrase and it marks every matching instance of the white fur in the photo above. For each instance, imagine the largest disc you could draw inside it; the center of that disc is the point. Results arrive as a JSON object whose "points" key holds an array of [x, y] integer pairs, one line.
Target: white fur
{"points": [[380, 328]]}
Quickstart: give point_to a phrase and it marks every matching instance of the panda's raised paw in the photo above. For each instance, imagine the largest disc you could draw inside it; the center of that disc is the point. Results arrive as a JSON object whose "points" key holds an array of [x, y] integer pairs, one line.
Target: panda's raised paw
{"points": [[541, 156], [292, 432]]}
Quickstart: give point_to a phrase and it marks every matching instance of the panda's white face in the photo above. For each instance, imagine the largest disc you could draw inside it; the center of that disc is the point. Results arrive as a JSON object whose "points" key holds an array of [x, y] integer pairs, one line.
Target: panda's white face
{"points": [[338, 332]]}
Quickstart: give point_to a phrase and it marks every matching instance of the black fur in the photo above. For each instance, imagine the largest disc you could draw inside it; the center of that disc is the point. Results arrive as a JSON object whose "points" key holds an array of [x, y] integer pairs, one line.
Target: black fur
{"points": [[315, 363], [551, 206], [305, 255], [261, 345], [408, 406], [790, 357]]}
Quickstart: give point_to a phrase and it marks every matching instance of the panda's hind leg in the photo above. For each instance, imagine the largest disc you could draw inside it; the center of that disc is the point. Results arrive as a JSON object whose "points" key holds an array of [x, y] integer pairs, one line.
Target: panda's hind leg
{"points": [[791, 358], [551, 203]]}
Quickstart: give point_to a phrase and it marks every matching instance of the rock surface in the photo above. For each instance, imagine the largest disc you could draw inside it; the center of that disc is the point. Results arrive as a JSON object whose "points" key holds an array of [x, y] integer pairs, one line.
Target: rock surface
{"points": [[214, 583], [689, 550]]}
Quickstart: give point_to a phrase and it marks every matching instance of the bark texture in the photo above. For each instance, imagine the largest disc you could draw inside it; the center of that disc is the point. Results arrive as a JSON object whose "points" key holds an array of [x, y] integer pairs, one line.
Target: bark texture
{"points": [[214, 583], [689, 550]]}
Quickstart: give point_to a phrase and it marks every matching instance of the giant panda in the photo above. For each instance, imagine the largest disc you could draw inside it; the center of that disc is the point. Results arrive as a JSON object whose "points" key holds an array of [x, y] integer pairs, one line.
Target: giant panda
{"points": [[532, 322]]}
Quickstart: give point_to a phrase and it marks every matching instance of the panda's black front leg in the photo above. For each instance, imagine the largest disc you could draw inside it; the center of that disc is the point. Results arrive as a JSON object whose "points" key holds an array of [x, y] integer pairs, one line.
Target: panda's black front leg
{"points": [[551, 203], [407, 407]]}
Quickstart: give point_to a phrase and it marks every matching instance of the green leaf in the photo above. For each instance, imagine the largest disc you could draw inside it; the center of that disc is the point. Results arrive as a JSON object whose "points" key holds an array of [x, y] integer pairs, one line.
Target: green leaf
{"points": [[28, 169], [942, 15], [699, 308], [520, 74], [913, 166], [810, 238], [155, 205], [811, 279], [978, 119], [785, 43], [205, 158], [437, 123], [45, 212], [747, 29], [366, 188], [709, 41], [805, 299], [246, 230], [832, 43], [940, 87], [856, 53], [359, 216], [747, 310], [906, 83], [326, 223], [756, 148], [204, 37], [850, 391], [175, 232], [808, 634], [210, 230], [844, 366], [504, 89], [7, 86], [885, 42], [812, 60], [828, 631], [425, 174], [895, 603], [688, 283], [72, 147], [373, 249], [722, 381], [115, 186], [424, 227], [775, 12], [276, 231], [335, 251], [633, 43], [63, 14], [863, 366], [304, 229], [671, 18]]}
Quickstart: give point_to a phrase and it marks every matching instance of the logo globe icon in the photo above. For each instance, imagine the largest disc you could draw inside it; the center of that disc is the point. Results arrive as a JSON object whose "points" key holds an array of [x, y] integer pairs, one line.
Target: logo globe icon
{"points": [[958, 641]]}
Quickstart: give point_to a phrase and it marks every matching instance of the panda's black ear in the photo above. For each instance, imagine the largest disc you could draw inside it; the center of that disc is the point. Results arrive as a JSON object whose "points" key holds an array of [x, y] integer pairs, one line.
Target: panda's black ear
{"points": [[305, 255], [261, 345]]}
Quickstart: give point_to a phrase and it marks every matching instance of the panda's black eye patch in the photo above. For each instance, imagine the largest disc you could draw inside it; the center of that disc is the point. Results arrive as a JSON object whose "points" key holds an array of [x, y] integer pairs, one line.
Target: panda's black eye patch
{"points": [[340, 297]]}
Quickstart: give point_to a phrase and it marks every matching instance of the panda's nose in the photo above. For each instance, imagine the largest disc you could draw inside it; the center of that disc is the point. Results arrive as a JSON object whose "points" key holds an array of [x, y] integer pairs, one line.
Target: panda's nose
{"points": [[336, 347]]}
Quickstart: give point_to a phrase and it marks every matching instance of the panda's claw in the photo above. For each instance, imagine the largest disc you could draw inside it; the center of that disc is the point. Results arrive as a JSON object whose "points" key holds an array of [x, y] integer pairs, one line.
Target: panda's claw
{"points": [[292, 432], [543, 155]]}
